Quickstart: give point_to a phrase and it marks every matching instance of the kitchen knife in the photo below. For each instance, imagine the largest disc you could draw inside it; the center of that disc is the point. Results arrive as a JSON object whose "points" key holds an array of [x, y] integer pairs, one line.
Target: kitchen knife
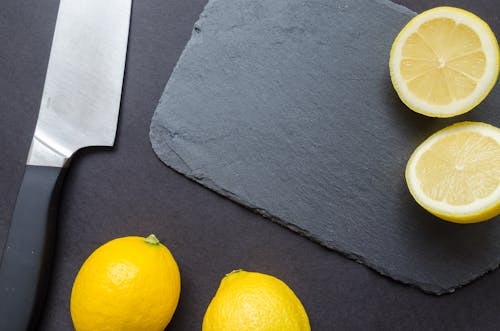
{"points": [[79, 108]]}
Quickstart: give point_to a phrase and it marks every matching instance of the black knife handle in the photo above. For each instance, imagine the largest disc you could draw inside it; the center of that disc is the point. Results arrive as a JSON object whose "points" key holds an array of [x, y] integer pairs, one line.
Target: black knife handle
{"points": [[27, 254]]}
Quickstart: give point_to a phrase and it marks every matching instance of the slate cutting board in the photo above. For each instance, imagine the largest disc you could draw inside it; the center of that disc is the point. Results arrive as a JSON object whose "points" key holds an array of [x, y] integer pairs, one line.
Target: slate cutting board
{"points": [[286, 107]]}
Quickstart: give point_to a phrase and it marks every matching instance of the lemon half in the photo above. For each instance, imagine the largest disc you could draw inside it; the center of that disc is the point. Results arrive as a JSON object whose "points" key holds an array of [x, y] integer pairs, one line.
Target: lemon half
{"points": [[444, 62], [455, 173]]}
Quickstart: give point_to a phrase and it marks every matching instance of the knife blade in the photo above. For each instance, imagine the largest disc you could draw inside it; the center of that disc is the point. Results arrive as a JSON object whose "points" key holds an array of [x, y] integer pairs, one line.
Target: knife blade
{"points": [[79, 108]]}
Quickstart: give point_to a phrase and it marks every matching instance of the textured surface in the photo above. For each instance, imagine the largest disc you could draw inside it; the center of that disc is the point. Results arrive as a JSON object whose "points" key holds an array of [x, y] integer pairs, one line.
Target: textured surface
{"points": [[287, 107], [127, 191]]}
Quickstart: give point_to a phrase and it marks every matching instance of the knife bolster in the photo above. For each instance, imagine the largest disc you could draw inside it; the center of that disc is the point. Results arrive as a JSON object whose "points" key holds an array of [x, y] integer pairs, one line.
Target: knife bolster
{"points": [[43, 153]]}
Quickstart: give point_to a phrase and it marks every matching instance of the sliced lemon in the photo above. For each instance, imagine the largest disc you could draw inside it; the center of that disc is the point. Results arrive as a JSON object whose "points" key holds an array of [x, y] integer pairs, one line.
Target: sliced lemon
{"points": [[444, 62], [455, 173]]}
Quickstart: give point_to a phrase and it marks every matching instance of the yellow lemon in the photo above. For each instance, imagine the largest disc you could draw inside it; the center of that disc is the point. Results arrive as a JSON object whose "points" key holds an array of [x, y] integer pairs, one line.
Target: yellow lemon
{"points": [[251, 301], [444, 62], [127, 284], [455, 173]]}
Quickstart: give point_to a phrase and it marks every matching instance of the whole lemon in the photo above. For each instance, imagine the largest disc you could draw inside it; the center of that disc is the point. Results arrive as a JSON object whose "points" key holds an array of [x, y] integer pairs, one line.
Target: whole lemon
{"points": [[130, 283], [251, 301]]}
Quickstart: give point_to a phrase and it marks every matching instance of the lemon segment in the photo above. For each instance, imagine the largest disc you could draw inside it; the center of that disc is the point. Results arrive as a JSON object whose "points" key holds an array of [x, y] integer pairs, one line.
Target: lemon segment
{"points": [[444, 62], [455, 173]]}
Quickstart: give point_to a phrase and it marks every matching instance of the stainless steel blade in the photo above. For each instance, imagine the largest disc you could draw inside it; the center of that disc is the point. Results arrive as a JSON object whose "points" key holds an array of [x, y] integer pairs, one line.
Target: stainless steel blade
{"points": [[82, 92]]}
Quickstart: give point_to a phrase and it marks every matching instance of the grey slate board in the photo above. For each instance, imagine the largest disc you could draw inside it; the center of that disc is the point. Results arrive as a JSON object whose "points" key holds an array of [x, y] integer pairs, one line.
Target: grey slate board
{"points": [[286, 107]]}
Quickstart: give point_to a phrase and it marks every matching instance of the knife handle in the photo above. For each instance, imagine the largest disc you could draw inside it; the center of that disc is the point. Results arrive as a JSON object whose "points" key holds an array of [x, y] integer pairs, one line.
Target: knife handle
{"points": [[27, 254]]}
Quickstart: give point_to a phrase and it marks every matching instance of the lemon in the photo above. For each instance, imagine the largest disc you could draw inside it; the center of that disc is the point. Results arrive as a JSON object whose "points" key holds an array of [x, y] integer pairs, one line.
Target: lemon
{"points": [[455, 173], [444, 62], [251, 301], [127, 284]]}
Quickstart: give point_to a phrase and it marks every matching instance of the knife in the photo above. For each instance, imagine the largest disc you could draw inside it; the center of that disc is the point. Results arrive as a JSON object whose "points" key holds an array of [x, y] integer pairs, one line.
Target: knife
{"points": [[79, 108]]}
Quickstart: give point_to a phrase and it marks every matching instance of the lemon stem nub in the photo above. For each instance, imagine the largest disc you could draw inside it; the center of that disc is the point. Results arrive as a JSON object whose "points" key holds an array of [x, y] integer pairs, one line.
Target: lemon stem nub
{"points": [[151, 239], [234, 272]]}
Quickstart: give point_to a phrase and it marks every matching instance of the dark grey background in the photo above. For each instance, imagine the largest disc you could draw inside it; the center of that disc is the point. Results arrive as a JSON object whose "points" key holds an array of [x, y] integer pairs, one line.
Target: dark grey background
{"points": [[127, 191]]}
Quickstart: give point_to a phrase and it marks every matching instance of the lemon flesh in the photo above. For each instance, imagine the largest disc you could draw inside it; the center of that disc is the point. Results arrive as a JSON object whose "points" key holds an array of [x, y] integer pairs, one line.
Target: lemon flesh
{"points": [[251, 301], [444, 62], [455, 173], [127, 284]]}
